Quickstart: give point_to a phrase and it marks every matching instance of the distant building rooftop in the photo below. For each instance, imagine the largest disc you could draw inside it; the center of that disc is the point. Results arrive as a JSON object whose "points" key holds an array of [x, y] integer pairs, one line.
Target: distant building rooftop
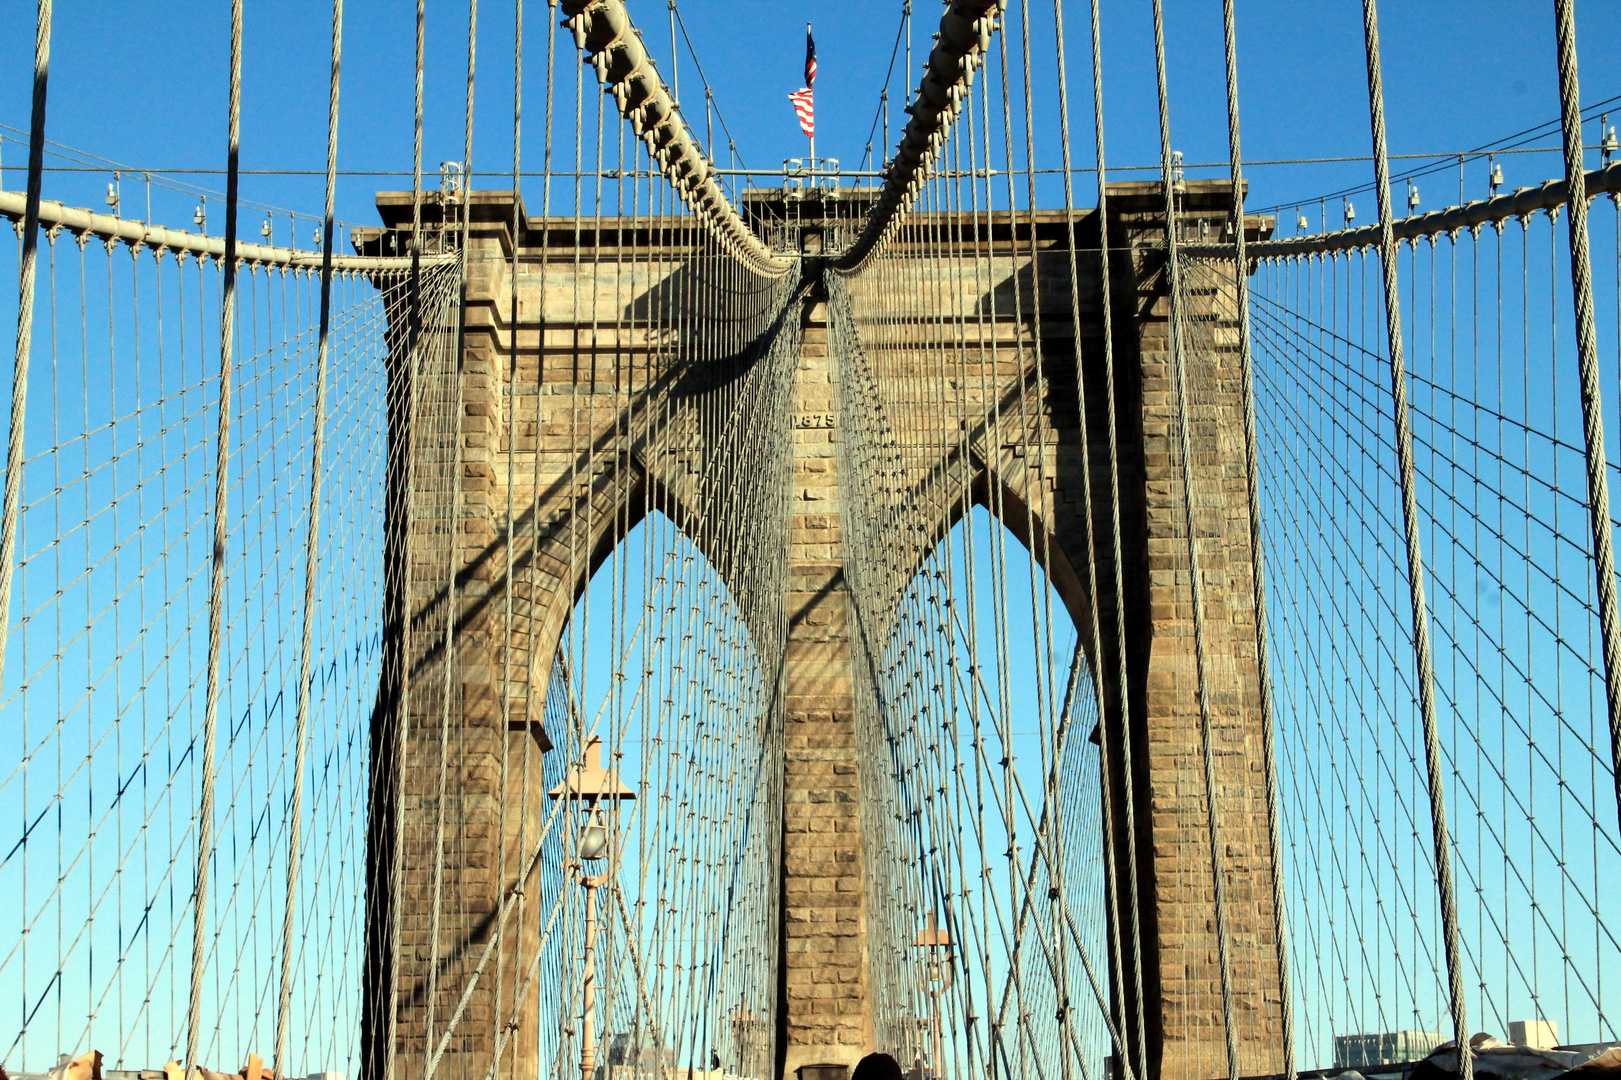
{"points": [[1383, 1048]]}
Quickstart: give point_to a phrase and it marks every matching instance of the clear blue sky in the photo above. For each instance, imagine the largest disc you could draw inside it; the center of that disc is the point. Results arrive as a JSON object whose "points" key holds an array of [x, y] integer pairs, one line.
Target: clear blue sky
{"points": [[145, 84]]}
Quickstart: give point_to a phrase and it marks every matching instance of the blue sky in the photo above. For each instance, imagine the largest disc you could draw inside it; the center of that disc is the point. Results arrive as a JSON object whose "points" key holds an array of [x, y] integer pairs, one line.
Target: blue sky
{"points": [[145, 85]]}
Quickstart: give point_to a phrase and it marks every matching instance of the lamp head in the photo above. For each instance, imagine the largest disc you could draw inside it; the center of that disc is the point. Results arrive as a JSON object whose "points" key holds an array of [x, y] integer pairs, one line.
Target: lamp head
{"points": [[593, 837]]}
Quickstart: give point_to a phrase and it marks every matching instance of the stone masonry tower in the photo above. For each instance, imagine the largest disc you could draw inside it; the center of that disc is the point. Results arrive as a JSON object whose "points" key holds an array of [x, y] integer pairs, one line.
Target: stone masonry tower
{"points": [[823, 1003]]}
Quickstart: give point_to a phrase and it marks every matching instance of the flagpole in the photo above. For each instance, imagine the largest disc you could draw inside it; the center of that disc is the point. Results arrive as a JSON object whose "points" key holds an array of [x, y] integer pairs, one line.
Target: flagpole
{"points": [[813, 127]]}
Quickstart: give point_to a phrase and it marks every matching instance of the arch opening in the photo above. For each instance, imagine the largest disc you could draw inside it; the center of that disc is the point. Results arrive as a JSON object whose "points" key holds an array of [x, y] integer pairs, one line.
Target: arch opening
{"points": [[664, 663], [983, 815]]}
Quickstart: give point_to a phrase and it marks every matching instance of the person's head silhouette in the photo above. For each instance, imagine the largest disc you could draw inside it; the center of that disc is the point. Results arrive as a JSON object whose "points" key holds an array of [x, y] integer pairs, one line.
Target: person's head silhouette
{"points": [[877, 1067]]}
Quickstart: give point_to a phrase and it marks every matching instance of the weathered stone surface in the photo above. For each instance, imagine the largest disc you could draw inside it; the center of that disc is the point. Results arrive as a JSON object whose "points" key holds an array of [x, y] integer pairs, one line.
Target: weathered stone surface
{"points": [[824, 1013]]}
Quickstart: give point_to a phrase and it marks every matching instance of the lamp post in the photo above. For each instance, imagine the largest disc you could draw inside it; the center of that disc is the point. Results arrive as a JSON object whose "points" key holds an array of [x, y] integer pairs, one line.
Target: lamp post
{"points": [[589, 784], [745, 1025], [936, 943]]}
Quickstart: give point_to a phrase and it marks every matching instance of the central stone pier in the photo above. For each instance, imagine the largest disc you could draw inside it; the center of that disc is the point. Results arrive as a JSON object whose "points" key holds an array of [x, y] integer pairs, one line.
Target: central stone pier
{"points": [[824, 1015]]}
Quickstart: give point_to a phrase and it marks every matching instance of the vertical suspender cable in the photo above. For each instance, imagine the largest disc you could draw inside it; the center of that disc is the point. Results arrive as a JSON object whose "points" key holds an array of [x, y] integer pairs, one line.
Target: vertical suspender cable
{"points": [[25, 333], [216, 589], [1118, 555], [1195, 576], [1105, 760], [1415, 553], [1581, 280], [535, 487], [675, 64], [413, 370], [453, 554], [453, 537], [25, 322], [1257, 560], [511, 423], [311, 555], [906, 80], [434, 1048]]}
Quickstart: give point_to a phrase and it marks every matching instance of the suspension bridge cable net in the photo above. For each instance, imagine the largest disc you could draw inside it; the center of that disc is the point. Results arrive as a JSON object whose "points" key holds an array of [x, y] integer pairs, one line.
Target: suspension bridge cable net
{"points": [[105, 646], [1518, 668]]}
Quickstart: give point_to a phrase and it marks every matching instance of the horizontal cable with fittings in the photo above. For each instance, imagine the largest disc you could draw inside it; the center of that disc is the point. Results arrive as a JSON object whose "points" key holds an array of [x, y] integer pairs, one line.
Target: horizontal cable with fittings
{"points": [[55, 215], [1520, 203]]}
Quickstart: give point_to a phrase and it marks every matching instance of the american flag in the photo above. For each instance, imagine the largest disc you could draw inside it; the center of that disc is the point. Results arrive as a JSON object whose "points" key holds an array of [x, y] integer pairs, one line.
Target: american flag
{"points": [[805, 108], [804, 99]]}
